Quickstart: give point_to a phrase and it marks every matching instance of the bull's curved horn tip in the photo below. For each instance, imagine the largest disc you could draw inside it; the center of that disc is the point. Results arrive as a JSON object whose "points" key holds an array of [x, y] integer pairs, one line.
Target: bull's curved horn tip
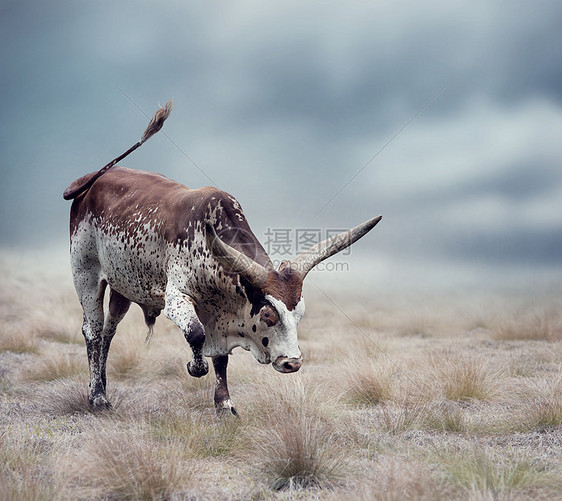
{"points": [[374, 221]]}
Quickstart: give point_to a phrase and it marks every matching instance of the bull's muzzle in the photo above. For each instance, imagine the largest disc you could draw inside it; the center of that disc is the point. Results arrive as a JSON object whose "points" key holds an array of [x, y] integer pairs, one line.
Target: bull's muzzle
{"points": [[287, 365]]}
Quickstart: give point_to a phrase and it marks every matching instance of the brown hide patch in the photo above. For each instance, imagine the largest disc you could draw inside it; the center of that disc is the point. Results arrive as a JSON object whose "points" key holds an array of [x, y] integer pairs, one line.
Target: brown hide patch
{"points": [[109, 200], [285, 285]]}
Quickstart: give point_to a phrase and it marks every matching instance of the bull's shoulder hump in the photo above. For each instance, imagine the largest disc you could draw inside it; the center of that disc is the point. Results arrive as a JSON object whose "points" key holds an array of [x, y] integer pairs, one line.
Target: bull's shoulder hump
{"points": [[213, 193]]}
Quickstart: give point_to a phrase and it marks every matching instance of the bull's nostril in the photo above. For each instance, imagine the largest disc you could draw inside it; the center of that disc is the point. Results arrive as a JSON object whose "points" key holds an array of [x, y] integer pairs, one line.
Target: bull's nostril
{"points": [[291, 366]]}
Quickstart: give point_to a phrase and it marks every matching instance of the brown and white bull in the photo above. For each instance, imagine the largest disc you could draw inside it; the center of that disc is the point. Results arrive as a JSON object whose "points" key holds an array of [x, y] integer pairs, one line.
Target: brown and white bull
{"points": [[191, 253]]}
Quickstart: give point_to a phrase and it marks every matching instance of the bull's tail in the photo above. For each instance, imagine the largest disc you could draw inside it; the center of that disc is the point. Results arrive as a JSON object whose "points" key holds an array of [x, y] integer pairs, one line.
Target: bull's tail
{"points": [[155, 124]]}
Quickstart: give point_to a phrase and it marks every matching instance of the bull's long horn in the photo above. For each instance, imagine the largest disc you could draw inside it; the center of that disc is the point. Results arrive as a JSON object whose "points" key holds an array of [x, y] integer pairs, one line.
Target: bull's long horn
{"points": [[233, 260], [308, 259]]}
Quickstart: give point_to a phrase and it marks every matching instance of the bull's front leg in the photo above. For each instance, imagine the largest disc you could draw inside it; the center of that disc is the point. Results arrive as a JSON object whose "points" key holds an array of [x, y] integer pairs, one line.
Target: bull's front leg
{"points": [[223, 404], [179, 309]]}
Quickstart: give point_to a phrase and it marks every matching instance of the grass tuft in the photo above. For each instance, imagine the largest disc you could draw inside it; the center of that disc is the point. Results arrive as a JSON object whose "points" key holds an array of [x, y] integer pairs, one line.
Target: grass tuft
{"points": [[21, 475], [405, 415], [56, 365], [296, 446], [29, 486], [61, 333], [465, 379], [485, 475], [542, 407], [126, 356], [444, 416], [538, 325], [17, 338], [401, 480], [542, 415], [129, 467], [66, 397], [203, 437], [368, 382]]}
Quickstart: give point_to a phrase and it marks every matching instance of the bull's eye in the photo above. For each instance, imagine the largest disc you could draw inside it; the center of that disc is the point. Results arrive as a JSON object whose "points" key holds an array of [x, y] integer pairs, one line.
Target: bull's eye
{"points": [[269, 315], [265, 341]]}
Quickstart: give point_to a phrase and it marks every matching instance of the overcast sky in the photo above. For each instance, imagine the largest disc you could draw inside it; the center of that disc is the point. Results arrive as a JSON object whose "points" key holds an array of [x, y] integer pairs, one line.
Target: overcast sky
{"points": [[445, 117]]}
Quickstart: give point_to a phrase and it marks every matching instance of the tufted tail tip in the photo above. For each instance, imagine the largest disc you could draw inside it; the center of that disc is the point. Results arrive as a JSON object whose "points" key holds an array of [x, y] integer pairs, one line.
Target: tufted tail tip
{"points": [[157, 121]]}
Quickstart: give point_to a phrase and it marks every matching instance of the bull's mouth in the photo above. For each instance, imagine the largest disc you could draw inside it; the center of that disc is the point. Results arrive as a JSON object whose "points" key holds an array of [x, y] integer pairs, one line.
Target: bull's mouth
{"points": [[264, 360], [287, 365]]}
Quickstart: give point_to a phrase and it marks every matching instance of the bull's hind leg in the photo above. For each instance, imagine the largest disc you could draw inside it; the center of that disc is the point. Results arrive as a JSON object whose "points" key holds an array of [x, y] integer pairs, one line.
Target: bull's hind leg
{"points": [[98, 330], [97, 344], [118, 306], [91, 290]]}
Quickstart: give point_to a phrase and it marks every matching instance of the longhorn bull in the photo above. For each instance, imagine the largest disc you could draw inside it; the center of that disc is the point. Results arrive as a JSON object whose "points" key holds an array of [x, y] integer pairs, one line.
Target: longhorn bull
{"points": [[191, 253]]}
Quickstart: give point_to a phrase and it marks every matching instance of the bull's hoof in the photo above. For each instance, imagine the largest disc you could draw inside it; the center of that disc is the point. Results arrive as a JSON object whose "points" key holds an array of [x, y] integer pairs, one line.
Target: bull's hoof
{"points": [[198, 367], [225, 409], [99, 403]]}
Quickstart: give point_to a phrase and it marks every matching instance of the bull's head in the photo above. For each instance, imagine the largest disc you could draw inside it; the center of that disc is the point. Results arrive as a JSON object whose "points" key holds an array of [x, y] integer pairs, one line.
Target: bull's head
{"points": [[277, 302]]}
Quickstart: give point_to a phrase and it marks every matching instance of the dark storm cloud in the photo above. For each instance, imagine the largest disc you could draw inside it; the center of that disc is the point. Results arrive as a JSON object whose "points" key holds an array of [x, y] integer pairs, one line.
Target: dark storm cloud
{"points": [[281, 104]]}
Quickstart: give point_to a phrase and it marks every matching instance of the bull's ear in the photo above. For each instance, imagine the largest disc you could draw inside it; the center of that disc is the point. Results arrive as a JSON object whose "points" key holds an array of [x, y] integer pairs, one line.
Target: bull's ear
{"points": [[233, 260], [308, 259]]}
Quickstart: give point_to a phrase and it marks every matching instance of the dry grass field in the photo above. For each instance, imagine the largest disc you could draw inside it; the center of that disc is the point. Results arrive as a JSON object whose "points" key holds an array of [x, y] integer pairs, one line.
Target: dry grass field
{"points": [[426, 397]]}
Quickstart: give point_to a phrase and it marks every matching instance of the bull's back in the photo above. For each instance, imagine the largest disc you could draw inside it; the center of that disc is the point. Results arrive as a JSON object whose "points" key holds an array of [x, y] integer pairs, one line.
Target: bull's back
{"points": [[129, 222]]}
